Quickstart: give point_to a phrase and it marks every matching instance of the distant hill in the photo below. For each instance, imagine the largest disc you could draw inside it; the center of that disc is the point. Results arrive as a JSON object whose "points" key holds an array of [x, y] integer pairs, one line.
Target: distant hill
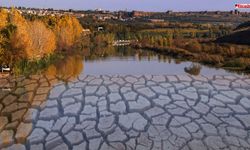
{"points": [[243, 26], [241, 35]]}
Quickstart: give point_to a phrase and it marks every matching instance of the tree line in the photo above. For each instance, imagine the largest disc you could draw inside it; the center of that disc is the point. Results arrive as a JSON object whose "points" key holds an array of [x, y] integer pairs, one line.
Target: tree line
{"points": [[35, 38]]}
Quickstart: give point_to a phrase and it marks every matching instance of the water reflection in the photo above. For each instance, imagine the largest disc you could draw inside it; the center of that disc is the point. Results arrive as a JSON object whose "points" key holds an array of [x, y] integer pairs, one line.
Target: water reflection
{"points": [[68, 68]]}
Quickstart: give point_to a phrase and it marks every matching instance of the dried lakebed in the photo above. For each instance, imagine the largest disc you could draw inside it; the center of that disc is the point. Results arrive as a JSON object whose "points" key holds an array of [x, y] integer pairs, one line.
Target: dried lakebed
{"points": [[125, 112]]}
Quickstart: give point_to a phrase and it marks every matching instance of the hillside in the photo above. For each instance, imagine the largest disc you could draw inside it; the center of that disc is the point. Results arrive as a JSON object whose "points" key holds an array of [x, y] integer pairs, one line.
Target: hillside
{"points": [[241, 35]]}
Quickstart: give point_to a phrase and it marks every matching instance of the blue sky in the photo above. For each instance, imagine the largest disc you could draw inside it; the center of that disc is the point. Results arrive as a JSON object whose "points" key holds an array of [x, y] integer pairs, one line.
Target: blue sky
{"points": [[146, 5]]}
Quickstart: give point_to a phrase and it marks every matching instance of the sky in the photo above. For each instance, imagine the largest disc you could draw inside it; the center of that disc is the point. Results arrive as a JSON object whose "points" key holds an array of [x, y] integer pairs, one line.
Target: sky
{"points": [[143, 5]]}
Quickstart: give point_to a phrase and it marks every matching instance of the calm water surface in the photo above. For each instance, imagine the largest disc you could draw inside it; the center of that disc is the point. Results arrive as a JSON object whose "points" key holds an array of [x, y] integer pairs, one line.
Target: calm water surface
{"points": [[126, 61]]}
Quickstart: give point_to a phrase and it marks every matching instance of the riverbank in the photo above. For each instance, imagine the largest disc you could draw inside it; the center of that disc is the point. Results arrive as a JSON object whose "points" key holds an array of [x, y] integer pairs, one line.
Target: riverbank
{"points": [[215, 60]]}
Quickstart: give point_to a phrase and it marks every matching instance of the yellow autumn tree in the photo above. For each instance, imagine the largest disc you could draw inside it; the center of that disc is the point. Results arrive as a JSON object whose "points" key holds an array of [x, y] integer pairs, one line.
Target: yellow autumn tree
{"points": [[20, 40], [67, 30], [3, 18], [43, 40]]}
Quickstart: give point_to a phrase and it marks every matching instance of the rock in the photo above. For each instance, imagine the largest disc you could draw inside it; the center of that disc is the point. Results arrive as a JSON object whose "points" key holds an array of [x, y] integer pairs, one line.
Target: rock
{"points": [[40, 98], [212, 119], [106, 123], [130, 96], [74, 137], [31, 115], [172, 78], [140, 104], [67, 101], [177, 111], [232, 121], [158, 79], [192, 114], [18, 115], [143, 140], [132, 120], [105, 146], [90, 90], [192, 127], [118, 145], [91, 100], [184, 78], [160, 90], [9, 99], [221, 111], [131, 79], [62, 146], [244, 92], [69, 125], [177, 97], [215, 142], [162, 101], [14, 106], [49, 113], [46, 125], [89, 112], [180, 132], [154, 112], [177, 121], [43, 90], [197, 145], [72, 92], [224, 99], [232, 140], [1, 106], [190, 93], [51, 103], [59, 124], [15, 147], [114, 97], [119, 107], [53, 140], [23, 131], [221, 82], [102, 91], [36, 147], [6, 138], [73, 109], [147, 92], [245, 102], [96, 82], [161, 119], [237, 132], [89, 129], [4, 121], [37, 136], [231, 94], [95, 144], [209, 129], [117, 136], [238, 109], [201, 108], [81, 146]]}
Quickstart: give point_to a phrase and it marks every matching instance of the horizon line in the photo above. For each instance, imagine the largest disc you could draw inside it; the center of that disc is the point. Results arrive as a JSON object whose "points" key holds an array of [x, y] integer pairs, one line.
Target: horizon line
{"points": [[126, 10]]}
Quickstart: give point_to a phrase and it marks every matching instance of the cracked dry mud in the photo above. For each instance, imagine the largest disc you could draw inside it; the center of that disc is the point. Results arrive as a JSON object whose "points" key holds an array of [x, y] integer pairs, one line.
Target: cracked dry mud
{"points": [[126, 112]]}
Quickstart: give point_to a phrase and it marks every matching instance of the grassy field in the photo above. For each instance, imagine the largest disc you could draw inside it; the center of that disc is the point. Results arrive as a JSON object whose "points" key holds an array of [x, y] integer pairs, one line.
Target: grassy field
{"points": [[171, 30]]}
